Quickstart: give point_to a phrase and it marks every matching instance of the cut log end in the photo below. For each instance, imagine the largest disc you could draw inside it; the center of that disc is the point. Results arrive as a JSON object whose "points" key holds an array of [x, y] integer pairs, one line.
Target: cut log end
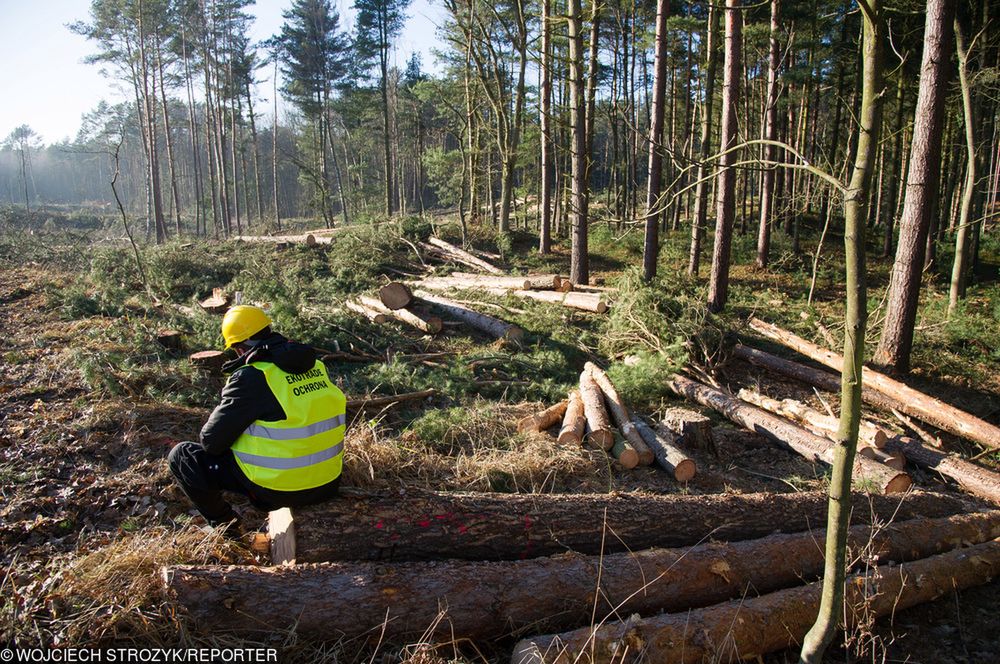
{"points": [[395, 295], [685, 470], [208, 359], [898, 484], [605, 439]]}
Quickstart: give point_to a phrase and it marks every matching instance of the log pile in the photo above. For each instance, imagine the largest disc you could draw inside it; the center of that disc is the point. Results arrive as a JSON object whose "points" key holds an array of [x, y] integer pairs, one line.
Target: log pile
{"points": [[912, 402], [788, 434], [489, 599], [556, 291], [310, 239]]}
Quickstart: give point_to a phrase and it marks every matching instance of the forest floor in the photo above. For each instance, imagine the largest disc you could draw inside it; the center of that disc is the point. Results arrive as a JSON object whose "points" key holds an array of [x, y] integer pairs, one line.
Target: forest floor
{"points": [[90, 405]]}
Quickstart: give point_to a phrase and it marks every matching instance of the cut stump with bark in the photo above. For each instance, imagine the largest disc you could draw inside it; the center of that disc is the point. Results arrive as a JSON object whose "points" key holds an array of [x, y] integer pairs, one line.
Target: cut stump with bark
{"points": [[170, 339], [693, 430], [209, 360], [216, 303]]}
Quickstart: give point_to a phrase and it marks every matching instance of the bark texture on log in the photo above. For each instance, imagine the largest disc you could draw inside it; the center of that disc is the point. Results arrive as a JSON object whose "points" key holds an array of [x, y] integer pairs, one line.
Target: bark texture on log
{"points": [[308, 239], [544, 419], [694, 430], [373, 402], [395, 295], [671, 458], [483, 526], [745, 629], [419, 320], [530, 282], [817, 377], [915, 403], [785, 433], [620, 413], [821, 423], [494, 327], [574, 421], [976, 480], [462, 256], [374, 316], [597, 417], [491, 599]]}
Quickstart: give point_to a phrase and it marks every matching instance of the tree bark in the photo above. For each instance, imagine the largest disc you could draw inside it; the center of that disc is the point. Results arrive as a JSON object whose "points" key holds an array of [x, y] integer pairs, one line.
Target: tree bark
{"points": [[620, 413], [598, 425], [781, 431], [579, 255], [960, 266], [770, 134], [488, 600], [978, 481], [651, 246], [692, 429], [545, 126], [423, 525], [896, 341], [495, 327], [544, 419], [746, 629], [930, 410], [574, 421], [419, 320], [671, 458], [701, 188], [718, 287]]}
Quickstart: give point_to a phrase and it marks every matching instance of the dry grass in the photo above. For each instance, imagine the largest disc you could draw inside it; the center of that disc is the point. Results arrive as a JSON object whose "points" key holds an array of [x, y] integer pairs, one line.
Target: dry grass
{"points": [[113, 594]]}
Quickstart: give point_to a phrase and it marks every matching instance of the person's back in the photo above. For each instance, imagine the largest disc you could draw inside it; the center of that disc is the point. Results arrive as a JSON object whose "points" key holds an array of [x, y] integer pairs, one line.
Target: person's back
{"points": [[277, 435]]}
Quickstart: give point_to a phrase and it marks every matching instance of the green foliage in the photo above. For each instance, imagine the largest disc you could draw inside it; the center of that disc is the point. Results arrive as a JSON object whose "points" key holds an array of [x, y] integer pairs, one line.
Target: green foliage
{"points": [[644, 381], [415, 228], [443, 169]]}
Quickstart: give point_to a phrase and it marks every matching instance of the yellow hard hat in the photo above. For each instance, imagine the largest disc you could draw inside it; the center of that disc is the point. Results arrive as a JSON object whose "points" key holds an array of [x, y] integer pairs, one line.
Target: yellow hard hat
{"points": [[242, 322]]}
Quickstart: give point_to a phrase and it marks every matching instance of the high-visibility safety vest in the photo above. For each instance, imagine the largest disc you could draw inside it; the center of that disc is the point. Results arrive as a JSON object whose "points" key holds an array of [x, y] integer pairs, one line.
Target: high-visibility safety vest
{"points": [[306, 449]]}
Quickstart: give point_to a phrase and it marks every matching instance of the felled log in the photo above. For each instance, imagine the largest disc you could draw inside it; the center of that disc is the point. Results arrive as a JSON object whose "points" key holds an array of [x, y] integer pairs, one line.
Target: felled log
{"points": [[625, 453], [494, 327], [308, 239], [421, 321], [593, 302], [785, 433], [563, 285], [216, 303], [374, 402], [976, 480], [170, 339], [668, 454], [619, 411], [746, 629], [693, 430], [395, 295], [281, 536], [424, 525], [933, 411], [374, 316], [484, 600], [529, 282], [574, 421], [544, 419], [461, 256], [816, 377], [208, 359], [593, 409], [868, 433]]}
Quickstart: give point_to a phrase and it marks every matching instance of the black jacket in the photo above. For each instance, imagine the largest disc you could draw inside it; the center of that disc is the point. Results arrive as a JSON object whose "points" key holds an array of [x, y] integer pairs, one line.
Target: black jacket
{"points": [[246, 398]]}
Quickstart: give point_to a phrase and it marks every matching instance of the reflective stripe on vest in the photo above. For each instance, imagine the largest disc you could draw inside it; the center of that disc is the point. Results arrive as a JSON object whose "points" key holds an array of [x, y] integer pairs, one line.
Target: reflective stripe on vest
{"points": [[305, 450]]}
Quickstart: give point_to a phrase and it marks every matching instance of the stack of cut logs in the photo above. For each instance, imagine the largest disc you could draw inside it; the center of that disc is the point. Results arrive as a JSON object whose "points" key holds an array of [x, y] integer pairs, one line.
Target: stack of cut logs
{"points": [[591, 568], [585, 416]]}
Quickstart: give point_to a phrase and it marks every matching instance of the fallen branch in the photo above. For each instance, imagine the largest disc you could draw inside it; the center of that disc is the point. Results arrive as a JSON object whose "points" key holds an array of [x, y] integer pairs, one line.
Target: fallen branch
{"points": [[461, 256], [374, 402]]}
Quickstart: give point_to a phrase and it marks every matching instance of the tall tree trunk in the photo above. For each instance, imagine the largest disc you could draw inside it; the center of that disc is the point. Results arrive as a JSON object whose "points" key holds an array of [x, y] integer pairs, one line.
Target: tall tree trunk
{"points": [[390, 194], [718, 288], [256, 155], [959, 269], [855, 217], [705, 149], [579, 272], [770, 134], [168, 139], [274, 148], [509, 156], [651, 247], [545, 120], [921, 191], [889, 210], [199, 219]]}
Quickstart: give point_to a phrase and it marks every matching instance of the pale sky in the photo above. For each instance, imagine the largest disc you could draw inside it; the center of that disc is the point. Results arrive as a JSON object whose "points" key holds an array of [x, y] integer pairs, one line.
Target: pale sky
{"points": [[45, 84]]}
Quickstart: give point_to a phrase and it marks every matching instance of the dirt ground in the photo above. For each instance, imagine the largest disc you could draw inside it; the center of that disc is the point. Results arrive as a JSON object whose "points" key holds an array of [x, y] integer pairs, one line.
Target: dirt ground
{"points": [[78, 471]]}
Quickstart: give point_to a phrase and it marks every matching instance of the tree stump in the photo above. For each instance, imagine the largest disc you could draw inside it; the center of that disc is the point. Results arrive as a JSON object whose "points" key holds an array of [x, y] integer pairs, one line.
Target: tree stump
{"points": [[693, 429]]}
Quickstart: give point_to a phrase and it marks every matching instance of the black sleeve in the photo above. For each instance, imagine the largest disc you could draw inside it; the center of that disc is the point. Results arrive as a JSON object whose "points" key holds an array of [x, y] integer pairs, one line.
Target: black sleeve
{"points": [[245, 398]]}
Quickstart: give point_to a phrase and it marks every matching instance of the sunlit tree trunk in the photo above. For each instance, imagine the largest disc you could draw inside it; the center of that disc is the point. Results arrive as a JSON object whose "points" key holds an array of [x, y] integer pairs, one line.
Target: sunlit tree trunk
{"points": [[855, 218], [579, 272], [651, 246], [959, 269], [701, 188], [770, 134]]}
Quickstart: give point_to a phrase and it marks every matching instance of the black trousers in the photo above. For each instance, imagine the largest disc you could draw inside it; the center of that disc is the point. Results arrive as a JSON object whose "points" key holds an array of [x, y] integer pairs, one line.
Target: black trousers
{"points": [[203, 477]]}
